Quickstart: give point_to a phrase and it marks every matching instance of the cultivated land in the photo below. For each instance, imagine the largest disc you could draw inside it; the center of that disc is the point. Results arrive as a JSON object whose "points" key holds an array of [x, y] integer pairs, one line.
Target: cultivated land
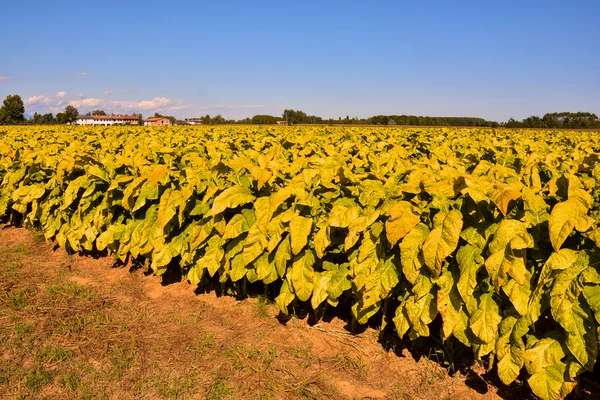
{"points": [[471, 247], [75, 327]]}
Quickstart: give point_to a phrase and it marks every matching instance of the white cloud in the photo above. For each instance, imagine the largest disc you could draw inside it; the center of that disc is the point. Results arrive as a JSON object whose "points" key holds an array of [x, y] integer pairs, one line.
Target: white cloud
{"points": [[43, 101], [86, 104], [6, 78], [108, 93]]}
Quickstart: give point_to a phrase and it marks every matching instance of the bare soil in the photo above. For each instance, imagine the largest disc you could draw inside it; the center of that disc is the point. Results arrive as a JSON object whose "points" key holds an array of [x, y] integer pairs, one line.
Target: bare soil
{"points": [[77, 327]]}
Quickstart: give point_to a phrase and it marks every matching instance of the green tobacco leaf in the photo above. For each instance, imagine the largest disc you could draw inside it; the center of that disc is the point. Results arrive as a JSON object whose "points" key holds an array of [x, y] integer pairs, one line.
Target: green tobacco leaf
{"points": [[211, 260], [265, 271], [509, 366], [167, 208], [507, 252], [254, 245], [442, 240], [518, 294], [470, 262], [236, 226], [402, 220], [282, 255], [401, 320], [285, 297], [339, 283], [420, 314], [565, 217], [484, 321], [302, 274], [231, 198], [510, 350], [321, 283], [342, 217], [448, 303], [410, 252], [357, 226], [322, 241], [502, 198], [300, 228], [547, 384], [571, 311]]}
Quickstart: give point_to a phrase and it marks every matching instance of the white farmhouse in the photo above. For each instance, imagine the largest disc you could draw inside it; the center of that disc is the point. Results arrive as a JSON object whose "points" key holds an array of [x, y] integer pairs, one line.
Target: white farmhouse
{"points": [[107, 120]]}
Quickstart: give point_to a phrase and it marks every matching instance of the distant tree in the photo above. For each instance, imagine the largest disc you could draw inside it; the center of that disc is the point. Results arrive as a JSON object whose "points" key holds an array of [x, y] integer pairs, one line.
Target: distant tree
{"points": [[206, 120], [12, 110], [98, 112], [264, 119], [218, 120], [61, 118], [71, 113], [37, 118], [140, 120], [297, 117]]}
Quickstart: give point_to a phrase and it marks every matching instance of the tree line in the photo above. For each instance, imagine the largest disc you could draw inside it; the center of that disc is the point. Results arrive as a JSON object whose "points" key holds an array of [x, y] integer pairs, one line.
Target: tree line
{"points": [[12, 112]]}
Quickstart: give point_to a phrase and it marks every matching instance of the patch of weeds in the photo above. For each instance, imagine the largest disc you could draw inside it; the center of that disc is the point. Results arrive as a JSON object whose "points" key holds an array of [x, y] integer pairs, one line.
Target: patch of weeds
{"points": [[219, 389], [176, 389], [22, 329], [356, 363], [20, 249], [302, 354], [12, 270], [245, 353], [37, 378], [439, 356], [71, 381], [121, 359], [39, 238], [71, 290], [19, 299], [206, 341], [313, 387], [261, 309], [71, 325], [54, 354], [78, 322], [4, 377]]}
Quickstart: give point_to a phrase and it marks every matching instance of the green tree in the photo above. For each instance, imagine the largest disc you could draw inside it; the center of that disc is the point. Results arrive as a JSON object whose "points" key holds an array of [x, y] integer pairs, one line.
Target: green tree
{"points": [[140, 120], [69, 116], [98, 112], [12, 110], [71, 113]]}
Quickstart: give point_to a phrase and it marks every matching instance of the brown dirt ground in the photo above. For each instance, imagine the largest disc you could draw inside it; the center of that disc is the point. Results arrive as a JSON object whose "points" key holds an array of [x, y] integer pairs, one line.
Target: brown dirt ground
{"points": [[76, 327]]}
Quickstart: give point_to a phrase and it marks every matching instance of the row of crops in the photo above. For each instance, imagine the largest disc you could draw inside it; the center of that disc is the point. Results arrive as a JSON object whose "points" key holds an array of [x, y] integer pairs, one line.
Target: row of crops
{"points": [[491, 232]]}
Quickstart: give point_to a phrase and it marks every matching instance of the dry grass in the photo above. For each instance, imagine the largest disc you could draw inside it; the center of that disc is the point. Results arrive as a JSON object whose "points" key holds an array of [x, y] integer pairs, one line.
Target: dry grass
{"points": [[75, 328]]}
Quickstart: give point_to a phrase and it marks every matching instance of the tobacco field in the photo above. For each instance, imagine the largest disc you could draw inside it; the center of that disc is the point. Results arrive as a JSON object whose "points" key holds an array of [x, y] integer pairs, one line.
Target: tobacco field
{"points": [[495, 233]]}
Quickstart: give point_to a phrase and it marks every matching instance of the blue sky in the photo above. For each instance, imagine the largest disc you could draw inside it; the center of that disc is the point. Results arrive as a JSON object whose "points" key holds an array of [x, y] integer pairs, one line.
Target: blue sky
{"points": [[495, 60]]}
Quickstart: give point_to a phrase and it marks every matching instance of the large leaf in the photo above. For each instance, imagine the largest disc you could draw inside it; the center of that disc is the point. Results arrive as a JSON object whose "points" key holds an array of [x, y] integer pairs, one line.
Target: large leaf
{"points": [[300, 228], [442, 240], [402, 220], [302, 274], [231, 198]]}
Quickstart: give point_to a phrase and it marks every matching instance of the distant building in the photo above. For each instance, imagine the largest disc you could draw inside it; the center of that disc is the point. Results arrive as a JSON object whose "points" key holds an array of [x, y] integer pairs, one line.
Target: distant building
{"points": [[282, 123], [107, 120], [157, 121], [194, 121]]}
